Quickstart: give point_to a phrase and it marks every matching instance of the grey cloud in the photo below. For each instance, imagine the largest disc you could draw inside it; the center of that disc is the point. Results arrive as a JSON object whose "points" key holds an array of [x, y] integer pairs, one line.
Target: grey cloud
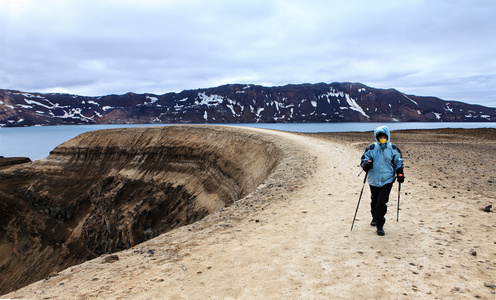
{"points": [[100, 47]]}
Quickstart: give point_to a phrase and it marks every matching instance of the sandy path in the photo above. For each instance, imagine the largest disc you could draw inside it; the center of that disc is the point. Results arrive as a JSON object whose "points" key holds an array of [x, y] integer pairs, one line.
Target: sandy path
{"points": [[299, 245]]}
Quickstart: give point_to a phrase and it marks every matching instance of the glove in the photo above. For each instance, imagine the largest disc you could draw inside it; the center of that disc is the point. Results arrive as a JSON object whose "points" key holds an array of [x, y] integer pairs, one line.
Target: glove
{"points": [[401, 178], [367, 166]]}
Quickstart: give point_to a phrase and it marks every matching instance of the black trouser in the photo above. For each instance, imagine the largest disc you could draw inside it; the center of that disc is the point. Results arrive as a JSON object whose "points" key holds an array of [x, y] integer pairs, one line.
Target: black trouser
{"points": [[378, 205]]}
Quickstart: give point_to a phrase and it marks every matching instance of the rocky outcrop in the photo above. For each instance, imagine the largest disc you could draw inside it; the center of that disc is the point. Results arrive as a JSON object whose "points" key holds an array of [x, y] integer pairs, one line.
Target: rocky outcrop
{"points": [[10, 161], [109, 190], [239, 103]]}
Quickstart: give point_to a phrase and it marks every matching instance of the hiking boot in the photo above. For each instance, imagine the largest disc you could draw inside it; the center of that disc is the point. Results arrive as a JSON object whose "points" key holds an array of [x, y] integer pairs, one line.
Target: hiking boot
{"points": [[373, 223], [380, 232]]}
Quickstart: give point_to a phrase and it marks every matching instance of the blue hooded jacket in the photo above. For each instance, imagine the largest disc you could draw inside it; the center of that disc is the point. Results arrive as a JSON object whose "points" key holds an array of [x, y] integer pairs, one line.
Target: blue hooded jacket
{"points": [[386, 158]]}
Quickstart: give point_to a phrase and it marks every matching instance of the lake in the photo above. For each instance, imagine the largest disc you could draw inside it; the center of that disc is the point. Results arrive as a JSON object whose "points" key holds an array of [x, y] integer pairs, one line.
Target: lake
{"points": [[37, 142]]}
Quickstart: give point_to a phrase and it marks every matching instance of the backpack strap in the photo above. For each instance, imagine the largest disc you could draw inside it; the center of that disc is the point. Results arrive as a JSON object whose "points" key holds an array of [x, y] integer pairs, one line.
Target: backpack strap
{"points": [[400, 170], [396, 148], [369, 148]]}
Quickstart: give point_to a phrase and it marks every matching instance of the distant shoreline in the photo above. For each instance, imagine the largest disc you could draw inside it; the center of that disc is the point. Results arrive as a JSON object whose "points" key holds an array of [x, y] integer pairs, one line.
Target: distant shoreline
{"points": [[37, 142]]}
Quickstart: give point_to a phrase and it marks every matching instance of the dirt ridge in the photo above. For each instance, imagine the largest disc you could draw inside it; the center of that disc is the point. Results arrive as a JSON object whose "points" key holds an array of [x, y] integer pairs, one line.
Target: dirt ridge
{"points": [[110, 190], [290, 238]]}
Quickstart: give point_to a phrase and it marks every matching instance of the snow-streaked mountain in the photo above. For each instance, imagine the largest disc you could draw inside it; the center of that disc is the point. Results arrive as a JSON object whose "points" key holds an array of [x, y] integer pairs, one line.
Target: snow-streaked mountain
{"points": [[238, 103]]}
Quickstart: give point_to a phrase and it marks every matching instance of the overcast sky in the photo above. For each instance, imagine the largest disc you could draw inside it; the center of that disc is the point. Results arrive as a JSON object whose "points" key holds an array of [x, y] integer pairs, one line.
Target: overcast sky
{"points": [[439, 48]]}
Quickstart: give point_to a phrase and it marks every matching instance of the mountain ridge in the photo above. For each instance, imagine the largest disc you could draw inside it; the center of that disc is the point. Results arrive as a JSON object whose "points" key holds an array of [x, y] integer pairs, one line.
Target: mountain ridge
{"points": [[238, 103]]}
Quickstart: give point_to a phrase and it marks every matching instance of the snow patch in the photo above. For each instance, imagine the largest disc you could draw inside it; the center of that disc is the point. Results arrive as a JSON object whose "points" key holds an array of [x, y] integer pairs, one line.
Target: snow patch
{"points": [[23, 106], [354, 106], [32, 96], [259, 111], [231, 107], [333, 94], [152, 99], [75, 113], [50, 106], [209, 100], [410, 99]]}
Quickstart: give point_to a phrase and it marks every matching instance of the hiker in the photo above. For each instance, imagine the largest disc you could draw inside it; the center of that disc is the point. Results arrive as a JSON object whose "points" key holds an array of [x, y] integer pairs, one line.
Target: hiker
{"points": [[381, 160]]}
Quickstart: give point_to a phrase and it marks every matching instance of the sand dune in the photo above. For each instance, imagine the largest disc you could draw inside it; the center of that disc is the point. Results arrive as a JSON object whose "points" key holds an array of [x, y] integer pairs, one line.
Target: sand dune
{"points": [[290, 237]]}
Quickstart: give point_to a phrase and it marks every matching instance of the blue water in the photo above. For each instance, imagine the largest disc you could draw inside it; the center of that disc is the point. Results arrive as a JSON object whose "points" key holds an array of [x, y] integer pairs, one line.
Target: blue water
{"points": [[37, 142]]}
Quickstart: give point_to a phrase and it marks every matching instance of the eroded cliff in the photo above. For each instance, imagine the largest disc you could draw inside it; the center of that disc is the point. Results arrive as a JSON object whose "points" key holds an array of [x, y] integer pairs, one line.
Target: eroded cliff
{"points": [[108, 190]]}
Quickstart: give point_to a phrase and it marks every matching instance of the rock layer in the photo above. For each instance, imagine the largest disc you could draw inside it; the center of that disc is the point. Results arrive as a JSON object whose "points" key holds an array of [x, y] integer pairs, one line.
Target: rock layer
{"points": [[10, 161], [109, 190]]}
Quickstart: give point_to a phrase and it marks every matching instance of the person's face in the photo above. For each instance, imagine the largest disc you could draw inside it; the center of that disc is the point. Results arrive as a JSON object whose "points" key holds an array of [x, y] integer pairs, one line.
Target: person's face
{"points": [[382, 139]]}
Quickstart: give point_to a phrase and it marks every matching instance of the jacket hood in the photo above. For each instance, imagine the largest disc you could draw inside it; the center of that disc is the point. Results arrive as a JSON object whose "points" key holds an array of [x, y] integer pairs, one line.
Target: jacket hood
{"points": [[382, 129]]}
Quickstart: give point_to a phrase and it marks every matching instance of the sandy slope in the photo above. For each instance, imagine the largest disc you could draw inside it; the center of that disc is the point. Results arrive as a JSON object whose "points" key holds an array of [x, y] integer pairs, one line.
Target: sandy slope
{"points": [[291, 239]]}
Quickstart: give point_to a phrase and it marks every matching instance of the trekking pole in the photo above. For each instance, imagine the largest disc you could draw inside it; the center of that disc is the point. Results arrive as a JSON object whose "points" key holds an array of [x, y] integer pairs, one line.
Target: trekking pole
{"points": [[361, 192], [398, 210]]}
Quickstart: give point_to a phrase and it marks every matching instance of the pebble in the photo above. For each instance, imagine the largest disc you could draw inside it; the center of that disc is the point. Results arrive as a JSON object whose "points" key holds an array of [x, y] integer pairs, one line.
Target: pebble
{"points": [[492, 286], [110, 259]]}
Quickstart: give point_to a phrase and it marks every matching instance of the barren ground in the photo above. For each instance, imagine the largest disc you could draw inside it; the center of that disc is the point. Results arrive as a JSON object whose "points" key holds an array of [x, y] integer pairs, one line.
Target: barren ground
{"points": [[291, 238]]}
